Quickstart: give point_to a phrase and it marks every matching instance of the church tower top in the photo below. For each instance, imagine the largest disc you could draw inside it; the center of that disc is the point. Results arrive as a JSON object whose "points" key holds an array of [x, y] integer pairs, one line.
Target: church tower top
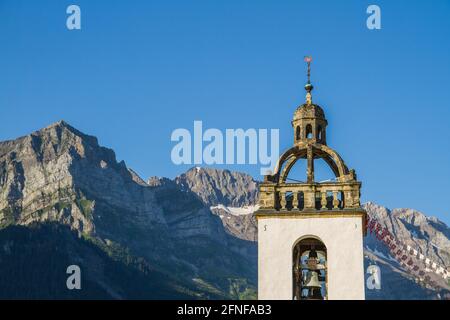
{"points": [[310, 144], [309, 119]]}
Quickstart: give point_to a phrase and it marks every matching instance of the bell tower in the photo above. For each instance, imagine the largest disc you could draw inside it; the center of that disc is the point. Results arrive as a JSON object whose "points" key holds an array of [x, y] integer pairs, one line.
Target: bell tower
{"points": [[310, 233]]}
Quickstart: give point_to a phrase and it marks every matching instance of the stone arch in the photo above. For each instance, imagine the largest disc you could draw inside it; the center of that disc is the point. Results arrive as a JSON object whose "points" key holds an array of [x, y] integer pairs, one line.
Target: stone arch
{"points": [[289, 163], [331, 155], [292, 155], [307, 236]]}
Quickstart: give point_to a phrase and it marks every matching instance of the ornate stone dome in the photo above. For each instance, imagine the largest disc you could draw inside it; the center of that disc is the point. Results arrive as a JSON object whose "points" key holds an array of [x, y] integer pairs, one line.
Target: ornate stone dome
{"points": [[308, 111]]}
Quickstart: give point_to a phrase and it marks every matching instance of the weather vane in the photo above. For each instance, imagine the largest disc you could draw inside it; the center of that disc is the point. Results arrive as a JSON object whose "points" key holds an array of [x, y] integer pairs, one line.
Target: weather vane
{"points": [[308, 86], [308, 60]]}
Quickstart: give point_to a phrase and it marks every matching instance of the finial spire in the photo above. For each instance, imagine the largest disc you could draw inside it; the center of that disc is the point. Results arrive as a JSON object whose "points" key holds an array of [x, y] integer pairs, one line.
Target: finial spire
{"points": [[308, 86]]}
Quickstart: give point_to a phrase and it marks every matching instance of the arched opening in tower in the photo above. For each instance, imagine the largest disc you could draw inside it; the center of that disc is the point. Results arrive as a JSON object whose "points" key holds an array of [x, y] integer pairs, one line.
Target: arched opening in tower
{"points": [[309, 131], [321, 168], [323, 171], [297, 133], [309, 270]]}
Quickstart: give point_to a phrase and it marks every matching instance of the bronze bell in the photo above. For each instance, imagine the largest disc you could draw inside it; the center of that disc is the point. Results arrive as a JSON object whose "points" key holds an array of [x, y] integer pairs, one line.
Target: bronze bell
{"points": [[311, 283], [312, 280], [312, 254]]}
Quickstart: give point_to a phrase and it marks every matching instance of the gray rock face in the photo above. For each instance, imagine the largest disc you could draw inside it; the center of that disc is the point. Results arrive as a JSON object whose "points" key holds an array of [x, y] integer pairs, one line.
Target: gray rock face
{"points": [[219, 189], [243, 226], [224, 187], [185, 215], [427, 234], [61, 175]]}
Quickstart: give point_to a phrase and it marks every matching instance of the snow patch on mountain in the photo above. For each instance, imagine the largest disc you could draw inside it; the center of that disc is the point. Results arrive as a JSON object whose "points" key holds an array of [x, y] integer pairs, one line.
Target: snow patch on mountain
{"points": [[237, 211]]}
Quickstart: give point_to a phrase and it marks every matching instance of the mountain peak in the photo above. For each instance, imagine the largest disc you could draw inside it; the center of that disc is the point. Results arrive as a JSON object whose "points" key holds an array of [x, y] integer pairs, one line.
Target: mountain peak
{"points": [[60, 123], [61, 126], [220, 186], [55, 165]]}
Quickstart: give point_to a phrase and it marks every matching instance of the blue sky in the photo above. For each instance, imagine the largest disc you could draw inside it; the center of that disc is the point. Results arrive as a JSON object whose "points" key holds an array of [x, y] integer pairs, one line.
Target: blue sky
{"points": [[140, 69]]}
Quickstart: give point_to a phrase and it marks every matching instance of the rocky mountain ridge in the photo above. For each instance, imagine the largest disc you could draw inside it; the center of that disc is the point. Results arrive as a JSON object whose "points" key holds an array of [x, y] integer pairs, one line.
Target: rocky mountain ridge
{"points": [[60, 175], [197, 230]]}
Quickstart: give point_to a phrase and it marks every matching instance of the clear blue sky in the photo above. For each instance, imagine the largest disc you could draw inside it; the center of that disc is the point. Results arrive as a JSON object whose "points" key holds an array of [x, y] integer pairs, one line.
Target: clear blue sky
{"points": [[139, 69]]}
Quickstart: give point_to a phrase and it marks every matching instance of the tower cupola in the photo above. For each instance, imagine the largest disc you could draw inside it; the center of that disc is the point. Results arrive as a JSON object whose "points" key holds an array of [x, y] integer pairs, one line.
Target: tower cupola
{"points": [[309, 121]]}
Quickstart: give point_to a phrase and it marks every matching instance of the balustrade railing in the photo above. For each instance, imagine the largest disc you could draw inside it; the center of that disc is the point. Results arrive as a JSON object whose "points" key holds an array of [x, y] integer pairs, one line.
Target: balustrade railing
{"points": [[314, 196]]}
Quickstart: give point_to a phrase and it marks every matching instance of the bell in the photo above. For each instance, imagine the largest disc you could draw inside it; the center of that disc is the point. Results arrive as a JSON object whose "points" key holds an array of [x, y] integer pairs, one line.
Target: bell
{"points": [[312, 254], [312, 280], [312, 286]]}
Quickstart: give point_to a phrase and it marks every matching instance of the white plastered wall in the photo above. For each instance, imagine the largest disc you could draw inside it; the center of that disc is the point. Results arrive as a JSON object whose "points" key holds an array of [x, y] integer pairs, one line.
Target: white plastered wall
{"points": [[343, 238]]}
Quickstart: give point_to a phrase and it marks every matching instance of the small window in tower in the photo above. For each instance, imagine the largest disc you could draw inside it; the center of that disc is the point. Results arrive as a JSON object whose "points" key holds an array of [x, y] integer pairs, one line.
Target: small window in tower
{"points": [[297, 133], [309, 133], [319, 133]]}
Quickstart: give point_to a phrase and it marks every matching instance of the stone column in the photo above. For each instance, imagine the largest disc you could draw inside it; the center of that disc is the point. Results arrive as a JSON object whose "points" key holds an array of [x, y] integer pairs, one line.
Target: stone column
{"points": [[335, 200], [323, 201], [310, 198], [310, 168], [294, 200], [283, 200]]}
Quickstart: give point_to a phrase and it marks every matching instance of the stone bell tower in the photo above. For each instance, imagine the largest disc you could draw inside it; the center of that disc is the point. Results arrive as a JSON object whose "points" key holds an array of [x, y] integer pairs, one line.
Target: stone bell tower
{"points": [[310, 234]]}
